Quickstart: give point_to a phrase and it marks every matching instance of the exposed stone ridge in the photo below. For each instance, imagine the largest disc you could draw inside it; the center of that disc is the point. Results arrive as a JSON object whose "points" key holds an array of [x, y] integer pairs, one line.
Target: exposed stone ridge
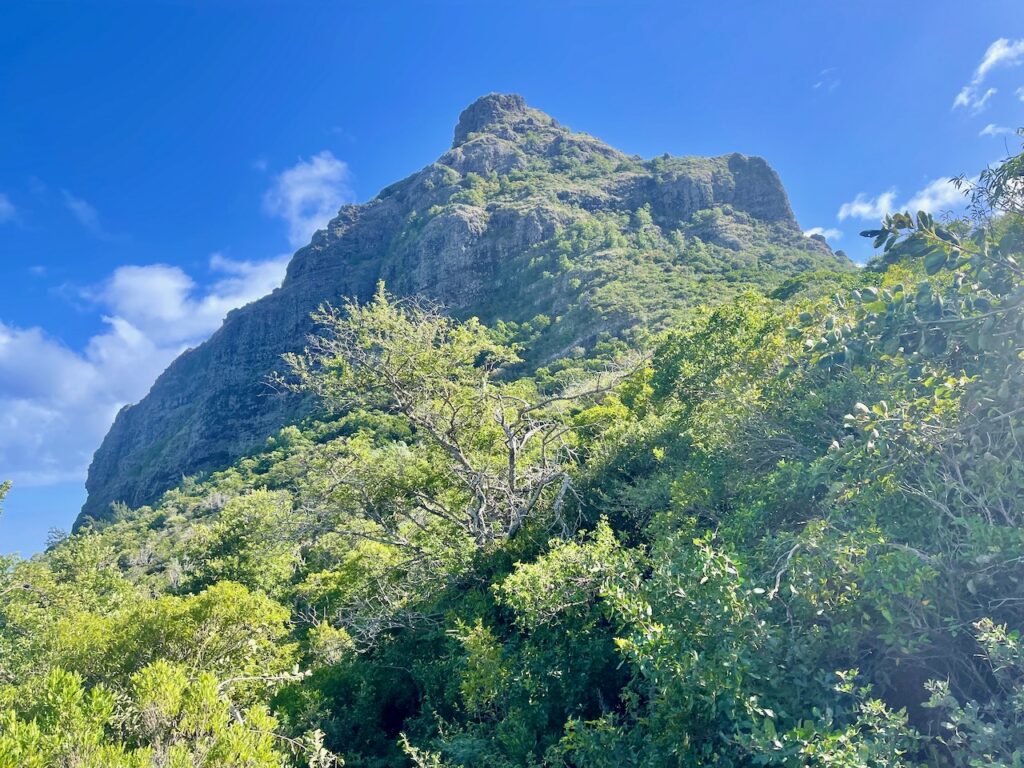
{"points": [[469, 231], [490, 111]]}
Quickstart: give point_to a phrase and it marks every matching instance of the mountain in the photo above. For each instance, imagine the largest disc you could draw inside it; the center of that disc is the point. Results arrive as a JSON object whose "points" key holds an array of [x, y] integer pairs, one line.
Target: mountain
{"points": [[522, 221], [787, 529]]}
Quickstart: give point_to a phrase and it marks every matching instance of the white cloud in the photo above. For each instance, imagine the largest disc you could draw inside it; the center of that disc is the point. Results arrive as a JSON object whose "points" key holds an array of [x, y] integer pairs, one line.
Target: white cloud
{"points": [[828, 80], [1020, 93], [7, 209], [938, 195], [864, 207], [968, 97], [163, 302], [830, 233], [980, 102], [994, 130], [308, 195], [87, 216], [1001, 53], [56, 403]]}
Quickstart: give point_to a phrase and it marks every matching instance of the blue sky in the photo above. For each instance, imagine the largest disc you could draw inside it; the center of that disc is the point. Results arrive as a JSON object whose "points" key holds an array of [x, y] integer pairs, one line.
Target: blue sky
{"points": [[159, 161]]}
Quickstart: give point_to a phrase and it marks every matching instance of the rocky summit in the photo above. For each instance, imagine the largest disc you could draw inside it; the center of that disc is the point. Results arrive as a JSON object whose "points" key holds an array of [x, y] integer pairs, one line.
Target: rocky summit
{"points": [[522, 221]]}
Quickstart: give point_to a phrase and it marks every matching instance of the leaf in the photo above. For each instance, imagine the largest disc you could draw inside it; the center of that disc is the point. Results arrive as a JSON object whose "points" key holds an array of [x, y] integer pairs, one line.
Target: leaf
{"points": [[935, 261]]}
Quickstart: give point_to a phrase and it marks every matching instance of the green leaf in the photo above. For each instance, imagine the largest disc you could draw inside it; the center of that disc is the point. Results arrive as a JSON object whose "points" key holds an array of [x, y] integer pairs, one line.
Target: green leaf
{"points": [[934, 261]]}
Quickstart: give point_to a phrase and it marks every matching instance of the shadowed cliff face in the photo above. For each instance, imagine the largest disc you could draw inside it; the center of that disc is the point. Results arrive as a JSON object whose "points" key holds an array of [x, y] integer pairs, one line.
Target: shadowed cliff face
{"points": [[520, 218]]}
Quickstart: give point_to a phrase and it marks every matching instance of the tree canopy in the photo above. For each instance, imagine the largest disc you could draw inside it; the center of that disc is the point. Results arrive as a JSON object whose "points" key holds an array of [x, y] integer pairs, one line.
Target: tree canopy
{"points": [[786, 532]]}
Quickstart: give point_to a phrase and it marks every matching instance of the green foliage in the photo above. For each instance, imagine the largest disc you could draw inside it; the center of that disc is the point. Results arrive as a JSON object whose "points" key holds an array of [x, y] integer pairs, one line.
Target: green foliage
{"points": [[497, 449], [567, 581], [252, 540], [166, 718], [786, 532], [988, 732], [876, 737], [607, 275]]}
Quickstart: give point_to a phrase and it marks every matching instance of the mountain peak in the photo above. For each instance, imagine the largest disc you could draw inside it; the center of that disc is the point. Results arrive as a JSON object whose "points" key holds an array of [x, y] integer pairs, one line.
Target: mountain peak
{"points": [[487, 112], [522, 219]]}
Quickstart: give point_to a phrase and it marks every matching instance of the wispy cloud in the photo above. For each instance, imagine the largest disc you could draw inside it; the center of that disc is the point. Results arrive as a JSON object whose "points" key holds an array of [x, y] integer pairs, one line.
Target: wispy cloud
{"points": [[829, 233], [309, 194], [938, 195], [1020, 93], [1001, 53], [87, 216], [85, 213], [975, 102], [828, 80], [7, 209], [994, 130]]}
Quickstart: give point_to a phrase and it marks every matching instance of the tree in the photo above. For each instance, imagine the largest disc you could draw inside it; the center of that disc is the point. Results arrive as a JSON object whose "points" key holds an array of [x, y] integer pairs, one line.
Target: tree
{"points": [[508, 447]]}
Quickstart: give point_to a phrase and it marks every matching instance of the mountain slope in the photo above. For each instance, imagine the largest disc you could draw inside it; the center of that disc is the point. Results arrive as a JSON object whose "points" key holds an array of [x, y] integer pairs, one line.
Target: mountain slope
{"points": [[522, 220]]}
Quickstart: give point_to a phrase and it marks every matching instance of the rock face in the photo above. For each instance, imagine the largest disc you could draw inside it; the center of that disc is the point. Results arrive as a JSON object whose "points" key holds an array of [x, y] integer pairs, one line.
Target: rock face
{"points": [[520, 218]]}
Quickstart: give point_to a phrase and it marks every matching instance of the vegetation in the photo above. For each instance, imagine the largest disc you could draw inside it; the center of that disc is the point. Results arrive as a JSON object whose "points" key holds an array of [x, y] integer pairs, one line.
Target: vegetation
{"points": [[616, 267], [787, 532]]}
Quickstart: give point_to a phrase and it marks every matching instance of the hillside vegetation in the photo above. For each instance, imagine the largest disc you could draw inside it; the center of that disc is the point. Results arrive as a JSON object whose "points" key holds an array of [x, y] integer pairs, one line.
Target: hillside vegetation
{"points": [[786, 531]]}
